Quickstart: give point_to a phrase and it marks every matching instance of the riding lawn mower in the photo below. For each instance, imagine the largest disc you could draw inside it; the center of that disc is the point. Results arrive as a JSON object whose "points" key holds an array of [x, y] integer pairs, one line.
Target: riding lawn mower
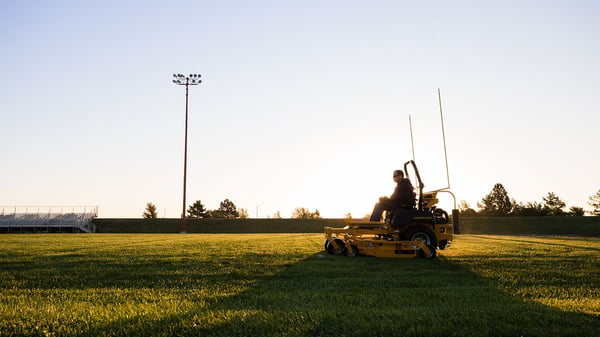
{"points": [[403, 233]]}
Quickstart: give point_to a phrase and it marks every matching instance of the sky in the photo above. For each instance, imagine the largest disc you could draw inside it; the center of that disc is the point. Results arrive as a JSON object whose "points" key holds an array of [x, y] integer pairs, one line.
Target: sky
{"points": [[302, 103]]}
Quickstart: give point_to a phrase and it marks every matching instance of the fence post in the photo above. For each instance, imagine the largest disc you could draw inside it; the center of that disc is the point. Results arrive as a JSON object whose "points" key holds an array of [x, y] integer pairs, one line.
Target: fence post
{"points": [[456, 221]]}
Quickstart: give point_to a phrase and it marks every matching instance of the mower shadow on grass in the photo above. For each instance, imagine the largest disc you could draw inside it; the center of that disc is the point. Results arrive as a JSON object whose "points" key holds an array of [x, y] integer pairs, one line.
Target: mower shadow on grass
{"points": [[325, 295]]}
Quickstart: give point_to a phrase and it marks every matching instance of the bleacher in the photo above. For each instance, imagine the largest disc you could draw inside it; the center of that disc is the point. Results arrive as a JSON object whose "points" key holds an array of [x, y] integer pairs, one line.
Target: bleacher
{"points": [[47, 219]]}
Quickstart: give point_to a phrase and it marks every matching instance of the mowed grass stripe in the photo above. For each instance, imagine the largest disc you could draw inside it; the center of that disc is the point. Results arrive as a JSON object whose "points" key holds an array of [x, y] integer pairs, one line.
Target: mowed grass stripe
{"points": [[559, 272], [284, 284]]}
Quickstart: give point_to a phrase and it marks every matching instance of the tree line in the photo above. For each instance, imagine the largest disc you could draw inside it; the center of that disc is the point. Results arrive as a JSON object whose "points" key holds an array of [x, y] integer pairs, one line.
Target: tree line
{"points": [[498, 203], [227, 210]]}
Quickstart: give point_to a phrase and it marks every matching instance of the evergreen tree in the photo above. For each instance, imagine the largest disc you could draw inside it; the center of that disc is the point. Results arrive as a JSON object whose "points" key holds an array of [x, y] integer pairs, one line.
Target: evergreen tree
{"points": [[197, 210], [554, 205], [227, 209], [497, 203], [576, 211], [150, 211], [595, 203]]}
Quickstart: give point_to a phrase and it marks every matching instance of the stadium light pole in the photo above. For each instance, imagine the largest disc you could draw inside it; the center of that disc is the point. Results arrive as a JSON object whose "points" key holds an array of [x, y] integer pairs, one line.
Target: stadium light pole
{"points": [[180, 79]]}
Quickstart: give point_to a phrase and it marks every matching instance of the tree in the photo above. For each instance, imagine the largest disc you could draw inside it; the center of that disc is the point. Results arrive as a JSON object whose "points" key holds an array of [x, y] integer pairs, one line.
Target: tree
{"points": [[305, 213], [348, 216], [227, 210], [554, 204], [576, 211], [595, 203], [197, 210], [150, 211], [530, 209], [277, 215], [497, 203], [465, 209], [243, 213]]}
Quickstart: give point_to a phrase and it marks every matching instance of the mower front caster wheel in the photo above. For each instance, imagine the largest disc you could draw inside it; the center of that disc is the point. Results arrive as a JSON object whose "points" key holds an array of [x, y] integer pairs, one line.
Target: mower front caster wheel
{"points": [[331, 248], [351, 251], [431, 254]]}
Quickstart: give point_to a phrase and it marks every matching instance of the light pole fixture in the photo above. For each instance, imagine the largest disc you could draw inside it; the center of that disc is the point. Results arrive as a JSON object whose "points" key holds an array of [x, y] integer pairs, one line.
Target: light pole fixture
{"points": [[180, 79], [257, 206]]}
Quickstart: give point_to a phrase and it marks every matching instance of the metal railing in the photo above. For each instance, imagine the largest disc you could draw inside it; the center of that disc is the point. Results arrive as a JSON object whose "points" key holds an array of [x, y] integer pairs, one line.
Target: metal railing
{"points": [[47, 218]]}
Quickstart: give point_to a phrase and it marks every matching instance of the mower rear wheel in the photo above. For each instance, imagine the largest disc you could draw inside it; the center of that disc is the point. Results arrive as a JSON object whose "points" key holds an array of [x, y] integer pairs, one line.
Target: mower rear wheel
{"points": [[331, 249], [352, 252], [421, 233], [441, 216]]}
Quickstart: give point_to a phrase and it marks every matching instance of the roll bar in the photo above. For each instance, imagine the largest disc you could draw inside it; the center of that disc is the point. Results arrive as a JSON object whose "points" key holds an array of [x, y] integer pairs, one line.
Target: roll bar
{"points": [[420, 184]]}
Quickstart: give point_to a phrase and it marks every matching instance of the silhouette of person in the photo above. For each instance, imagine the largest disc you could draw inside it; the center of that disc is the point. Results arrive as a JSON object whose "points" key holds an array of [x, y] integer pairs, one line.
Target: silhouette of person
{"points": [[402, 198]]}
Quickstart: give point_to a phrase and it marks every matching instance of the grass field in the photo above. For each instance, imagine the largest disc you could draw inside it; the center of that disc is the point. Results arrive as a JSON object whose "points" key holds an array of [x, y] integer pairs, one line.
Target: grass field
{"points": [[284, 284]]}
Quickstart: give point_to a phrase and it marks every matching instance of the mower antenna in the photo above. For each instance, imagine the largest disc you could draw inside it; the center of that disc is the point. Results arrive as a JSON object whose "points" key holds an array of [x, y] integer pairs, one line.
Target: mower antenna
{"points": [[444, 137], [412, 141], [455, 211]]}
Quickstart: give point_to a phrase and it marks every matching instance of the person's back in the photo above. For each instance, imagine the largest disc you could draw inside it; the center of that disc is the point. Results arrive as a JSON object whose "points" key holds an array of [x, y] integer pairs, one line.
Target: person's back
{"points": [[404, 194]]}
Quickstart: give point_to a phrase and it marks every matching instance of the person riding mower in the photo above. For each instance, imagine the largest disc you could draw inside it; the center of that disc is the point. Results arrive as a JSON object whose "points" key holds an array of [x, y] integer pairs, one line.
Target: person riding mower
{"points": [[412, 224]]}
